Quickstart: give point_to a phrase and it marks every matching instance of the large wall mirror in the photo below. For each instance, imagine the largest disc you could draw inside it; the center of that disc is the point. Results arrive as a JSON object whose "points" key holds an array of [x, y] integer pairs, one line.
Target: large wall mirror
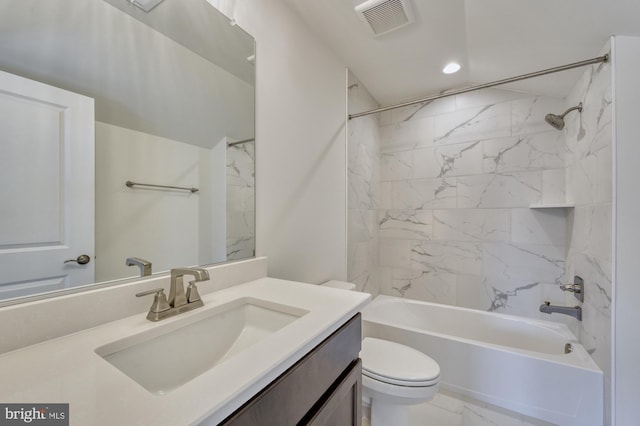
{"points": [[127, 138]]}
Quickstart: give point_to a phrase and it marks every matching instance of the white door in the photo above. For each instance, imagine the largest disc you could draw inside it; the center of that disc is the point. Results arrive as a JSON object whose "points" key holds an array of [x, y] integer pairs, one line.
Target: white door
{"points": [[46, 187]]}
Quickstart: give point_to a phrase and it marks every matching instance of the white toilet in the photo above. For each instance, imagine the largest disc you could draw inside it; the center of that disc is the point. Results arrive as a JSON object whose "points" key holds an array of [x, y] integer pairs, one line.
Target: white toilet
{"points": [[394, 376]]}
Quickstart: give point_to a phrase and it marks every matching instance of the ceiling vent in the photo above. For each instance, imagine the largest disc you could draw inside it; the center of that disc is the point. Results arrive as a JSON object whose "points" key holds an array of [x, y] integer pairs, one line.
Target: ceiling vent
{"points": [[383, 16]]}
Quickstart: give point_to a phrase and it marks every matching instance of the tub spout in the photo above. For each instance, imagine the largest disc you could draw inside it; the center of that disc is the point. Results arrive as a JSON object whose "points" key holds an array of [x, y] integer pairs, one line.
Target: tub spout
{"points": [[575, 311]]}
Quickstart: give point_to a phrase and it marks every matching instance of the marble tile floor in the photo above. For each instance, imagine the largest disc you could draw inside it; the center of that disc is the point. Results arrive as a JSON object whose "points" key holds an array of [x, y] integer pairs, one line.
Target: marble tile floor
{"points": [[449, 409]]}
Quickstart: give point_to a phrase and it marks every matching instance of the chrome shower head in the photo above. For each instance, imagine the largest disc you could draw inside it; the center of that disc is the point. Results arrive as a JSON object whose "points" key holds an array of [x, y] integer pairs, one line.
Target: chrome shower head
{"points": [[557, 121], [554, 121]]}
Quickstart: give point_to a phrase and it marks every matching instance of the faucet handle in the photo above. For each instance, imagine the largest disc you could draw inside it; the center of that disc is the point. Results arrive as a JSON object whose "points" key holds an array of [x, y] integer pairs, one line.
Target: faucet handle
{"points": [[148, 292], [192, 292], [160, 303], [577, 288], [573, 288]]}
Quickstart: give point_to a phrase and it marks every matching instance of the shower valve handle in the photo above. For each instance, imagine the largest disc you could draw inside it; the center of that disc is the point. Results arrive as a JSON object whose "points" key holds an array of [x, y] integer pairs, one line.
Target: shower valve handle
{"points": [[573, 288], [577, 288]]}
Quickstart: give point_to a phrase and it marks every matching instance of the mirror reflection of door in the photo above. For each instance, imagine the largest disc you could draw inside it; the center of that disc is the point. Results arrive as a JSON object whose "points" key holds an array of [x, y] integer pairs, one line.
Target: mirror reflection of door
{"points": [[169, 86], [46, 209]]}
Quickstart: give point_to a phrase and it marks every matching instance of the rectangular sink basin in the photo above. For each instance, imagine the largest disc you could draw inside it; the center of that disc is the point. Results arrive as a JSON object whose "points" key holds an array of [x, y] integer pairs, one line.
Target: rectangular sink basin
{"points": [[170, 355]]}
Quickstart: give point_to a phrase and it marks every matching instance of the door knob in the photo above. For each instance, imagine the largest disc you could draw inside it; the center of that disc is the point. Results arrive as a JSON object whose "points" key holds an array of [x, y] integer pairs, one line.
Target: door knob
{"points": [[83, 259]]}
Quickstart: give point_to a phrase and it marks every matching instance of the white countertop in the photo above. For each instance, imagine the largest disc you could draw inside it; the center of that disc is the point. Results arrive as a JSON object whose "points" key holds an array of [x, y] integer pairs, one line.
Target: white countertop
{"points": [[67, 369]]}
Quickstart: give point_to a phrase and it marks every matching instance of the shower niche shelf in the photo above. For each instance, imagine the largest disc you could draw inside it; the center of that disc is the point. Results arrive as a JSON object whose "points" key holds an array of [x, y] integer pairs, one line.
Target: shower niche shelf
{"points": [[552, 206]]}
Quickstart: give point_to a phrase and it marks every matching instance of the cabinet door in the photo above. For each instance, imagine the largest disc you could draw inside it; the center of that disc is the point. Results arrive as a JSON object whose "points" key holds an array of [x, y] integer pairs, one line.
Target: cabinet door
{"points": [[298, 394], [343, 406]]}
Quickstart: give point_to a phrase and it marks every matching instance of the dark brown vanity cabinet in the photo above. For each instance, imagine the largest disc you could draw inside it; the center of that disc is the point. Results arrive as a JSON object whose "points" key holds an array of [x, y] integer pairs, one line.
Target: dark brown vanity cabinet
{"points": [[323, 388]]}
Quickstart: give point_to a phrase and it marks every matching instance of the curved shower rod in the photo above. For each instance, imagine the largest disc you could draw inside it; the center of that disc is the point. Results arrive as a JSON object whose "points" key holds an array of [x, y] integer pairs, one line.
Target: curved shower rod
{"points": [[597, 60]]}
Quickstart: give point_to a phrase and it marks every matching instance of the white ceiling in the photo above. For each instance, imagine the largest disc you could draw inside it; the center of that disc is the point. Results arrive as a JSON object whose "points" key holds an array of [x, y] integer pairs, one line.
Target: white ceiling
{"points": [[190, 82], [491, 39]]}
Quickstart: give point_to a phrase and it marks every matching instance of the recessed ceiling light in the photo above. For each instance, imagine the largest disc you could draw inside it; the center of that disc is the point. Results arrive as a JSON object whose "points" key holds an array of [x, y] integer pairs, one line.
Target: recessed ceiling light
{"points": [[451, 68]]}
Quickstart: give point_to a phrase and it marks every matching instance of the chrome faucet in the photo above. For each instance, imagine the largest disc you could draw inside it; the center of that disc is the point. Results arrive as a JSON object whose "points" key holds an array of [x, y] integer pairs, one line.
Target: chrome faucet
{"points": [[575, 311], [178, 301], [144, 265], [177, 296]]}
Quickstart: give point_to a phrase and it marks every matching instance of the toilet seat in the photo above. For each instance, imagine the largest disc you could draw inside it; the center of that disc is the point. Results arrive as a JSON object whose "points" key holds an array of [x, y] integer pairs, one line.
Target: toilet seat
{"points": [[407, 383], [397, 364]]}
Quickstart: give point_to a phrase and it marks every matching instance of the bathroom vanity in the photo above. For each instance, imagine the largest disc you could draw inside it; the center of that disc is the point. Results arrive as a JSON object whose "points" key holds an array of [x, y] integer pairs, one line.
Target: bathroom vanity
{"points": [[264, 352], [323, 388]]}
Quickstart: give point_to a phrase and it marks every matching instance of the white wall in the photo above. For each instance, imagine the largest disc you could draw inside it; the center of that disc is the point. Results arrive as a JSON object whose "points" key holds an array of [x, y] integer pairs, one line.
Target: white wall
{"points": [[626, 344], [300, 146]]}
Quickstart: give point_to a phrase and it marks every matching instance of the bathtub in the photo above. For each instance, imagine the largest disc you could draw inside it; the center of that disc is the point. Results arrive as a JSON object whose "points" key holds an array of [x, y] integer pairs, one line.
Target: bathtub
{"points": [[515, 363]]}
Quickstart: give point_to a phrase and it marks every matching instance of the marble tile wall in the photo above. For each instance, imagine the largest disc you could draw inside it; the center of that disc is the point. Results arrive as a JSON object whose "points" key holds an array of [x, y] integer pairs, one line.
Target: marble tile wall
{"points": [[457, 177], [363, 191], [240, 201], [453, 223], [589, 186]]}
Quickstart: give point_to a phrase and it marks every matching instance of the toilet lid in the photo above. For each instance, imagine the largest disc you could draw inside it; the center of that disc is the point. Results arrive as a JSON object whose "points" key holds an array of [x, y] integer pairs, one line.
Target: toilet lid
{"points": [[398, 364]]}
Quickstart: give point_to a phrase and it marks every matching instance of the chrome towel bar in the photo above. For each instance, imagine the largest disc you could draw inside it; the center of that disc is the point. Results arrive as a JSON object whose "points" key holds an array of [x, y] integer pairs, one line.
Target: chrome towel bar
{"points": [[131, 184], [229, 144]]}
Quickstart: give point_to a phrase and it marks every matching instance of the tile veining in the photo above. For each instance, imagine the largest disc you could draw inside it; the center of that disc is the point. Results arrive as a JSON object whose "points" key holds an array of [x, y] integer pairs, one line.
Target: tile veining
{"points": [[500, 298], [449, 160], [451, 188], [240, 204], [415, 224], [402, 290], [470, 121]]}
